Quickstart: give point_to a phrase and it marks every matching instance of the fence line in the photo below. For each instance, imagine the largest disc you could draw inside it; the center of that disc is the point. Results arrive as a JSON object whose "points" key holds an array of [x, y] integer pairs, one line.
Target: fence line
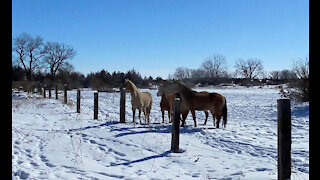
{"points": [[283, 116]]}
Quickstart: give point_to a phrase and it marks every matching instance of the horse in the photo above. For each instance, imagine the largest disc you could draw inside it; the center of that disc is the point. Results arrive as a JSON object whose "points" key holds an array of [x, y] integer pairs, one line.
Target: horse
{"points": [[193, 100], [139, 100], [166, 104]]}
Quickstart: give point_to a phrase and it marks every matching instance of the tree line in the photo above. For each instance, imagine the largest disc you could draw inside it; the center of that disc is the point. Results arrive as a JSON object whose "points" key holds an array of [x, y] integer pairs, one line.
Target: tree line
{"points": [[214, 71], [49, 63], [101, 80], [252, 68]]}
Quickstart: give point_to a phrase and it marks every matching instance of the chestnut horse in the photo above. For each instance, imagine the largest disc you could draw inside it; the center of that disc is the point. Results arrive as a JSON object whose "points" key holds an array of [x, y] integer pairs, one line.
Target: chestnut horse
{"points": [[166, 104], [139, 100], [193, 100]]}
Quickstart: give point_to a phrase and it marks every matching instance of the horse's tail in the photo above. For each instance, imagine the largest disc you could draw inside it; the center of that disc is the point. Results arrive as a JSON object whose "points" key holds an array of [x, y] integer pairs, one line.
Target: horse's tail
{"points": [[149, 107], [224, 113]]}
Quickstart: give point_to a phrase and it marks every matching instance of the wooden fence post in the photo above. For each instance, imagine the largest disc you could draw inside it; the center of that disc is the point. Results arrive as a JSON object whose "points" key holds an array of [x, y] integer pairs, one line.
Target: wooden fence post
{"points": [[78, 101], [44, 91], [175, 126], [56, 92], [284, 139], [95, 113], [65, 94], [40, 89], [50, 91], [122, 105]]}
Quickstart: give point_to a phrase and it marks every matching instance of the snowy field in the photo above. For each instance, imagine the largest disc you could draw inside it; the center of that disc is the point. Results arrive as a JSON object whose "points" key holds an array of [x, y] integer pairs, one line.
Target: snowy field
{"points": [[51, 141]]}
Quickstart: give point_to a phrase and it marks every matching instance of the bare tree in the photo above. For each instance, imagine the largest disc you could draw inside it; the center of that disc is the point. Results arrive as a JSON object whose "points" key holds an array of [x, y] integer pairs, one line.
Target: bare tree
{"points": [[282, 75], [287, 75], [198, 73], [207, 65], [57, 56], [20, 47], [215, 66], [250, 68], [300, 90], [275, 75], [29, 50], [301, 68], [182, 73]]}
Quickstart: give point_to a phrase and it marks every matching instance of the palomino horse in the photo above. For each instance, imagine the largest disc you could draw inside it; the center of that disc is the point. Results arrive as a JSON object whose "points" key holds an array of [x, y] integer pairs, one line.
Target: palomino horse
{"points": [[139, 100], [166, 104], [193, 100]]}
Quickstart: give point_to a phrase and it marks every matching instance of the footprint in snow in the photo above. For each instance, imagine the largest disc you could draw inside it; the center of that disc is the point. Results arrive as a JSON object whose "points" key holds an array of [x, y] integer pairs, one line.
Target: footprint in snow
{"points": [[45, 160], [261, 169], [21, 174]]}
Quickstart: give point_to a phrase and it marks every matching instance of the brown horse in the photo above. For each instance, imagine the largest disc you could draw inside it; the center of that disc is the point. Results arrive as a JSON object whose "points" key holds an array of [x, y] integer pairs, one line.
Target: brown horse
{"points": [[139, 100], [213, 114], [166, 104], [193, 100]]}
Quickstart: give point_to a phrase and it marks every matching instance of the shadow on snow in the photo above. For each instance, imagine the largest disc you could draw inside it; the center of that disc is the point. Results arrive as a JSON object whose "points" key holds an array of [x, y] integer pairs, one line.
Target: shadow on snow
{"points": [[164, 154], [155, 129]]}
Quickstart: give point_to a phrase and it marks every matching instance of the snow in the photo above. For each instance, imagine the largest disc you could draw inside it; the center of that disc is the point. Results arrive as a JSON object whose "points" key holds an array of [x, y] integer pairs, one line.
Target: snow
{"points": [[19, 95], [51, 141]]}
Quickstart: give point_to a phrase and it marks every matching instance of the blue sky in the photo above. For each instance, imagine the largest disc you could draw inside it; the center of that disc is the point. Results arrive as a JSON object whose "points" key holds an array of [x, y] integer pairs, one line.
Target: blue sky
{"points": [[155, 37]]}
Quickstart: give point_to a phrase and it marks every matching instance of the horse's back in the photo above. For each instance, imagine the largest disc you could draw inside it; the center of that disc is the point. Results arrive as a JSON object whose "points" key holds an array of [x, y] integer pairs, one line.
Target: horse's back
{"points": [[205, 100], [146, 94]]}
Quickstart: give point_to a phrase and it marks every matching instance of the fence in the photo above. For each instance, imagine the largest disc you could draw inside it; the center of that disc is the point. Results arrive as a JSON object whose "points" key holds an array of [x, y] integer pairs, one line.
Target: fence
{"points": [[284, 127]]}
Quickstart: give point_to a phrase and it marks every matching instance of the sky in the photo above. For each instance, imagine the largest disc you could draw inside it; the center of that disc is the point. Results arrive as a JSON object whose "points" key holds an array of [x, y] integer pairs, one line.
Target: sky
{"points": [[155, 37]]}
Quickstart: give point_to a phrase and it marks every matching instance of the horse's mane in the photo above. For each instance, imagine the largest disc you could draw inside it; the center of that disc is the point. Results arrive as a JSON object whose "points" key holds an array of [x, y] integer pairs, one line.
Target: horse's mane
{"points": [[133, 86], [185, 88], [184, 85]]}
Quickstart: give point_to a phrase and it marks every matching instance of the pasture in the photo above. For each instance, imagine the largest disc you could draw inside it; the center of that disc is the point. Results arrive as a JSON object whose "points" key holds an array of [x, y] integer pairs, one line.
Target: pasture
{"points": [[51, 141]]}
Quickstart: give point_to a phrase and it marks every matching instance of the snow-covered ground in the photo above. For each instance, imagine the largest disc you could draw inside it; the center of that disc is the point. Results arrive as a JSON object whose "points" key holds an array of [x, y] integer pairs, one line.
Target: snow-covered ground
{"points": [[51, 141]]}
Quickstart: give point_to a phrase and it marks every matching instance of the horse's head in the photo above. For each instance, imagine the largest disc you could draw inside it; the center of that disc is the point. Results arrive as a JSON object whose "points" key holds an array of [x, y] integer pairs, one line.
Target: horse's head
{"points": [[128, 85], [168, 87], [160, 90]]}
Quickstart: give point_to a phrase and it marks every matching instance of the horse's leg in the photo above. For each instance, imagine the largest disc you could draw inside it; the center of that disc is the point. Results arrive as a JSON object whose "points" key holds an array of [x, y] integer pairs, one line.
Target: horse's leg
{"points": [[213, 117], [144, 113], [207, 115], [184, 117], [218, 116], [133, 113], [162, 111], [148, 112], [193, 112], [170, 112], [139, 115]]}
